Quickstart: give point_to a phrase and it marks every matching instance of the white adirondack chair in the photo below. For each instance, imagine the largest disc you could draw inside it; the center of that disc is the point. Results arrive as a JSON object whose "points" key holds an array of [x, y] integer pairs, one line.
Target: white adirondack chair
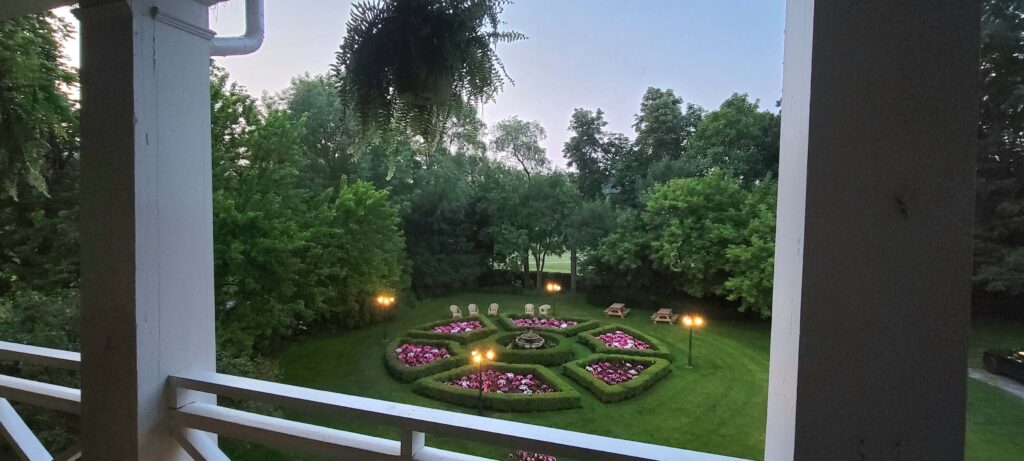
{"points": [[473, 311], [492, 309], [544, 310], [529, 310], [456, 312]]}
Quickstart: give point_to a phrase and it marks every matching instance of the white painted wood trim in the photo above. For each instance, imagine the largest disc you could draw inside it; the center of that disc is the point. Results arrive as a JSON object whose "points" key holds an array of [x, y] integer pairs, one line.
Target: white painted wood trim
{"points": [[52, 396], [21, 438], [40, 355], [199, 445], [516, 435]]}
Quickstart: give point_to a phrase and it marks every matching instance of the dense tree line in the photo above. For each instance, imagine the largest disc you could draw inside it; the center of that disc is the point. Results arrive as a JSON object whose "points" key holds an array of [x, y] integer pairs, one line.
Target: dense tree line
{"points": [[999, 219], [693, 197]]}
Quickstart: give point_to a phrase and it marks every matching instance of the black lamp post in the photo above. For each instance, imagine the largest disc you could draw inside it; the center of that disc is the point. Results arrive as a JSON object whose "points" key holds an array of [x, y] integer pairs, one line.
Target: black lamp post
{"points": [[478, 362], [384, 303], [690, 322]]}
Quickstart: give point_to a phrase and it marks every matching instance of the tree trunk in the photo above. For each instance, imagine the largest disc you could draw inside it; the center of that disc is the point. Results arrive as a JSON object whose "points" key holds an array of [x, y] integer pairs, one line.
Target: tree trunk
{"points": [[572, 269], [526, 269], [540, 269]]}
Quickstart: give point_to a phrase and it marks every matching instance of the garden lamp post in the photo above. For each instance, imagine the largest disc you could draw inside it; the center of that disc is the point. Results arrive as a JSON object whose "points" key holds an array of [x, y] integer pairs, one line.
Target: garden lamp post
{"points": [[690, 322], [384, 303], [478, 361], [552, 287]]}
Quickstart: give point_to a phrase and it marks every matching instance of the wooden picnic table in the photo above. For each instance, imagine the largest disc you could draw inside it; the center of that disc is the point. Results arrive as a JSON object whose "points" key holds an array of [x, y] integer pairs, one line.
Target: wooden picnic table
{"points": [[664, 315], [617, 309]]}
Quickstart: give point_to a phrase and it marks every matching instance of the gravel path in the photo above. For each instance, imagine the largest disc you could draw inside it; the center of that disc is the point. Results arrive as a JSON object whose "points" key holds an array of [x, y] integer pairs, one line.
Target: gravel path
{"points": [[1001, 382]]}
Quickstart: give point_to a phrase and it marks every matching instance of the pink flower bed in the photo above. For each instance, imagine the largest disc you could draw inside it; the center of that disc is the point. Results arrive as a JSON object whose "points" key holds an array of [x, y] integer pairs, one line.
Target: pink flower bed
{"points": [[503, 383], [520, 455], [622, 340], [414, 355], [615, 372], [455, 328], [543, 323]]}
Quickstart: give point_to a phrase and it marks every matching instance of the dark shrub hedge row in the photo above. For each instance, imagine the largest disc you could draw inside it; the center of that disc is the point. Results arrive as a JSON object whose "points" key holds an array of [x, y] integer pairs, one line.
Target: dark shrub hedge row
{"points": [[560, 353], [563, 398], [405, 373], [582, 324], [656, 369], [426, 331], [658, 349]]}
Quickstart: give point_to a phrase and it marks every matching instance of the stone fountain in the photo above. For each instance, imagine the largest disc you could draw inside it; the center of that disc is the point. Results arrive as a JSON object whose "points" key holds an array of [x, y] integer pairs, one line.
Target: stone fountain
{"points": [[529, 340]]}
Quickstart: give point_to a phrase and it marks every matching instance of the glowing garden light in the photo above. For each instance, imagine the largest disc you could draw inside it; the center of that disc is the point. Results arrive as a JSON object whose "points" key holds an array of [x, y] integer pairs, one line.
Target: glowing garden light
{"points": [[384, 303], [478, 359], [691, 322]]}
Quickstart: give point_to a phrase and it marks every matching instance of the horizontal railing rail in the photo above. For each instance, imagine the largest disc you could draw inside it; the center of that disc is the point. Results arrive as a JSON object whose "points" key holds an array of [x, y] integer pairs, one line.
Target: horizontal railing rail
{"points": [[61, 398], [55, 358], [412, 423], [197, 418]]}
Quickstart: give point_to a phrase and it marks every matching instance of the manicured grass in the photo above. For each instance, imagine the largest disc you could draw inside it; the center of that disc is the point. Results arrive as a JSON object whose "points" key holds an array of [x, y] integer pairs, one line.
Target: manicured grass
{"points": [[718, 406]]}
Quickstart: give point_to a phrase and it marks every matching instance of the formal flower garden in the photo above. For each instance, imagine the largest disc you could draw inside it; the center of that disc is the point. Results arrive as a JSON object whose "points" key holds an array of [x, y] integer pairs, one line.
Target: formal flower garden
{"points": [[513, 375], [724, 393]]}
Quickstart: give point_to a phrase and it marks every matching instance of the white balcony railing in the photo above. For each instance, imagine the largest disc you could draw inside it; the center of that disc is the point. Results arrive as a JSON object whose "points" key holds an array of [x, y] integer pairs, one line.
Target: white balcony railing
{"points": [[194, 418], [65, 399]]}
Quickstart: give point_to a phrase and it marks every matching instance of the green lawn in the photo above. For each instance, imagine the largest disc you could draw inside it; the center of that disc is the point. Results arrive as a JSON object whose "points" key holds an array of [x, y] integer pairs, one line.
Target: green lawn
{"points": [[718, 406], [554, 263]]}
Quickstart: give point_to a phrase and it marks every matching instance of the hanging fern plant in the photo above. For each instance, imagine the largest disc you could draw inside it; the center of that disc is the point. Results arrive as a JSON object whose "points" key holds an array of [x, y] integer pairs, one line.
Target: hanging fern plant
{"points": [[404, 64]]}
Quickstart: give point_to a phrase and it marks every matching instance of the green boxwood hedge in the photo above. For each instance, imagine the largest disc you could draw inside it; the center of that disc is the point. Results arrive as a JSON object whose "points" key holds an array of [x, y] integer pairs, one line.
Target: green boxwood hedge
{"points": [[582, 324], [590, 338], [405, 373], [563, 398], [560, 353], [426, 331], [656, 369]]}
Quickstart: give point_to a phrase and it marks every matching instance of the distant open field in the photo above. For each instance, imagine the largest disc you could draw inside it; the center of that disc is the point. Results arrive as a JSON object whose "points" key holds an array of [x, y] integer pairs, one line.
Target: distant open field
{"points": [[554, 263]]}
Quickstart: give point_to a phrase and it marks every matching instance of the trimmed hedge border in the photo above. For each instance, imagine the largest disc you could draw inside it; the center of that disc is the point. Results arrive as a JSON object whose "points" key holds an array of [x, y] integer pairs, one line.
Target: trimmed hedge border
{"points": [[426, 331], [657, 368], [556, 355], [564, 397], [405, 373], [590, 338], [582, 324]]}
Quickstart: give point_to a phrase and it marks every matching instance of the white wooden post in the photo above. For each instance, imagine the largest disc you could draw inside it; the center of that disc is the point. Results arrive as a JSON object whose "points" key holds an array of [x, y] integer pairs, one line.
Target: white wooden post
{"points": [[412, 443], [147, 231], [873, 256]]}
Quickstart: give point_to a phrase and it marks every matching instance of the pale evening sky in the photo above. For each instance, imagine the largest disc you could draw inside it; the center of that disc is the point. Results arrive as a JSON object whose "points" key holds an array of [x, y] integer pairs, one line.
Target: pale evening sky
{"points": [[580, 53]]}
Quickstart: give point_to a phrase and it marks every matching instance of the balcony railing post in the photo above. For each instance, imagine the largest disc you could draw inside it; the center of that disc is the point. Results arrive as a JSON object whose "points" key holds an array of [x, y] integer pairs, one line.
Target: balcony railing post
{"points": [[147, 222], [412, 443], [873, 252]]}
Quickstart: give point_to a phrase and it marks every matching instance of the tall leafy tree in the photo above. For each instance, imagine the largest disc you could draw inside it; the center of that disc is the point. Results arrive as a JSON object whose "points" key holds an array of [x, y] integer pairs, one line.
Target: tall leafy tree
{"points": [[750, 259], [290, 255], [585, 226], [444, 226], [330, 129], [691, 224], [38, 159], [586, 151], [35, 112], [528, 217], [662, 130], [738, 138], [661, 126], [999, 247], [404, 64], [518, 143]]}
